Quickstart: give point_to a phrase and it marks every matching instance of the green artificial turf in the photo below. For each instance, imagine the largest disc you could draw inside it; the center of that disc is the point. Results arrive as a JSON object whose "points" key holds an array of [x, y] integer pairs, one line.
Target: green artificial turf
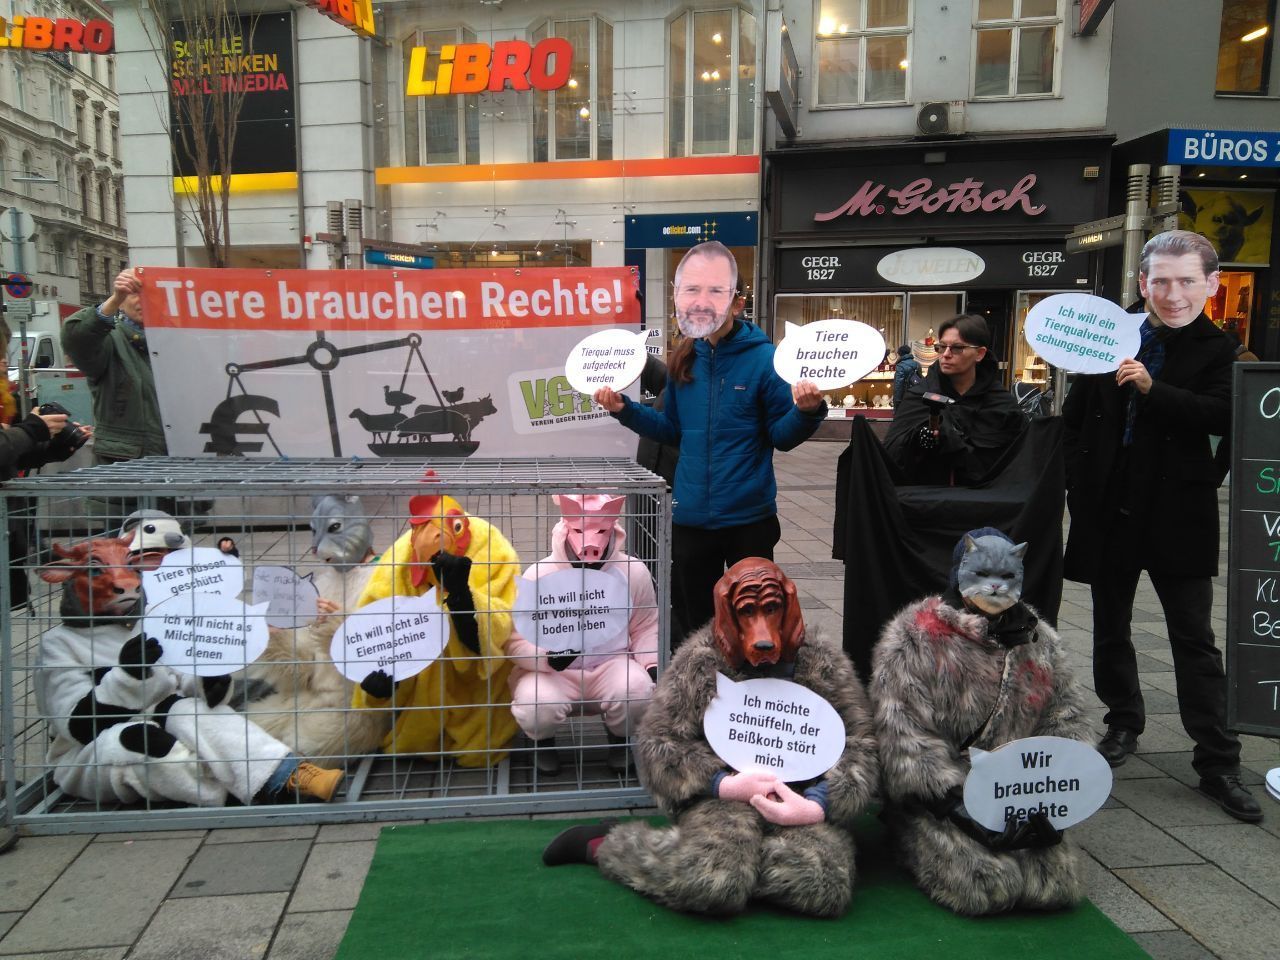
{"points": [[479, 890]]}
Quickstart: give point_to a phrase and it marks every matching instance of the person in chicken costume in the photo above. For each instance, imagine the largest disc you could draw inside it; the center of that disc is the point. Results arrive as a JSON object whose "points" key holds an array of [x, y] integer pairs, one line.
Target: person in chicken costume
{"points": [[740, 835], [460, 703], [547, 685]]}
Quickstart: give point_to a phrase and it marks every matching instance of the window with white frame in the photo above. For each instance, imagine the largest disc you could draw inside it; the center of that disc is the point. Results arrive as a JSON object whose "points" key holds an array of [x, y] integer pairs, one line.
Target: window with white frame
{"points": [[576, 121], [712, 83], [1016, 47], [60, 257], [438, 129], [862, 51]]}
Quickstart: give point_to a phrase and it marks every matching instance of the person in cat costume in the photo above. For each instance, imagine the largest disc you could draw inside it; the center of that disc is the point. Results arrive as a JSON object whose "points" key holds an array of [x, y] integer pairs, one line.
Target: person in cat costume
{"points": [[740, 835], [972, 667]]}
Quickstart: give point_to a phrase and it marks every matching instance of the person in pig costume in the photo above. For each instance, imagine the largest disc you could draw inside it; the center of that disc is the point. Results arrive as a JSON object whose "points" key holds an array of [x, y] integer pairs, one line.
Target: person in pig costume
{"points": [[548, 685]]}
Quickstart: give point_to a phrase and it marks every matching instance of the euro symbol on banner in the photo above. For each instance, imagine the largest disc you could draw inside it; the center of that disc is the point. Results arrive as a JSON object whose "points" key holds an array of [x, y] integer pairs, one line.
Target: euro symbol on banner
{"points": [[224, 427]]}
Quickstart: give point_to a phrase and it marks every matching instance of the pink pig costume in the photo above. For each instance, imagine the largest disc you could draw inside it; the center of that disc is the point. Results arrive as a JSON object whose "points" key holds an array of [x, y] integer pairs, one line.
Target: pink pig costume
{"points": [[618, 684]]}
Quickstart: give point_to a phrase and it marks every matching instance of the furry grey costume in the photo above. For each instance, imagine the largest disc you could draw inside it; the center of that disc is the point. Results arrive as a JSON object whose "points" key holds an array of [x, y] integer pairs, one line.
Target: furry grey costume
{"points": [[719, 853], [936, 678]]}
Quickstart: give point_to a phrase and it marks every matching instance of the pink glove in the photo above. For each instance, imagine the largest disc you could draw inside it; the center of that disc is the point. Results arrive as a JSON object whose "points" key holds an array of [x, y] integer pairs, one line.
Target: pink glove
{"points": [[745, 787], [789, 809]]}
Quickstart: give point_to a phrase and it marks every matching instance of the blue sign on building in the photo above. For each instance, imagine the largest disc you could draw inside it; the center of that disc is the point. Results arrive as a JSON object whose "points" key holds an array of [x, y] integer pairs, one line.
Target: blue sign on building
{"points": [[413, 261], [1224, 148], [686, 229]]}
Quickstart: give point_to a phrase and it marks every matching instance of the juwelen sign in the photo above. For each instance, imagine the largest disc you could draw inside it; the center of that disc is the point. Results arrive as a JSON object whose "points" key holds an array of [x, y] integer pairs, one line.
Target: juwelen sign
{"points": [[71, 36], [1253, 558], [477, 67]]}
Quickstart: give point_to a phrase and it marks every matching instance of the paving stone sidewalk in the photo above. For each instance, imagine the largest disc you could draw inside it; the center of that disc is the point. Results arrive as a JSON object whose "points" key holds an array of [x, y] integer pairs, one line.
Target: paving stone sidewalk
{"points": [[1183, 878]]}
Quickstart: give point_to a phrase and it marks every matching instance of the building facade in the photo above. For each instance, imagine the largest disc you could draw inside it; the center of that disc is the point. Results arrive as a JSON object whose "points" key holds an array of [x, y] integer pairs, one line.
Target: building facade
{"points": [[1200, 92], [61, 164]]}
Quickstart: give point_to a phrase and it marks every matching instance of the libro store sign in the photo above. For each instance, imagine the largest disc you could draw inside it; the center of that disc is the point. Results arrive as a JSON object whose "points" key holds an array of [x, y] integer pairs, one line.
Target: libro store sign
{"points": [[477, 67], [68, 36], [356, 15], [1011, 266]]}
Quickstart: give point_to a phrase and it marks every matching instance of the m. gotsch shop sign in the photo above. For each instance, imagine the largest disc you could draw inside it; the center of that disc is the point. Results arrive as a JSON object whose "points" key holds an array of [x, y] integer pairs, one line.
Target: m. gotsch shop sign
{"points": [[922, 195]]}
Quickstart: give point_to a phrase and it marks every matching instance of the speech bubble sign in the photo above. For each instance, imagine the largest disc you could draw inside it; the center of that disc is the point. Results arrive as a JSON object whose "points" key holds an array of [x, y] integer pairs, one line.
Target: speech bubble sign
{"points": [[1065, 779], [207, 634], [401, 635], [1082, 333], [831, 353], [573, 611], [291, 599], [194, 570], [774, 726], [608, 358]]}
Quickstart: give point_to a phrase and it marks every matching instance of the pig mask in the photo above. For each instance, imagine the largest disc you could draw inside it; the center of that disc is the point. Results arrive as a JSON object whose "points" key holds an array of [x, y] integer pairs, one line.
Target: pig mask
{"points": [[591, 521]]}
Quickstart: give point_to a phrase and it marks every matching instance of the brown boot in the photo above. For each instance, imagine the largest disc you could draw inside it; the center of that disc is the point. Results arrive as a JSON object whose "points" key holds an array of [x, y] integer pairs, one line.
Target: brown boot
{"points": [[308, 780]]}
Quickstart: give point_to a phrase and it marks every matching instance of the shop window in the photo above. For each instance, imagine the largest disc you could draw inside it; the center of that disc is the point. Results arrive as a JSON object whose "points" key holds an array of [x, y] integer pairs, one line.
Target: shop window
{"points": [[438, 129], [862, 51], [576, 121], [713, 83], [1015, 47], [1232, 307], [1244, 45]]}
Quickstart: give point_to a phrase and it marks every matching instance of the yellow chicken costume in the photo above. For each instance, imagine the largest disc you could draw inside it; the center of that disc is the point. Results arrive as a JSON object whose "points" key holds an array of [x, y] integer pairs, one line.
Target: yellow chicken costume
{"points": [[461, 703]]}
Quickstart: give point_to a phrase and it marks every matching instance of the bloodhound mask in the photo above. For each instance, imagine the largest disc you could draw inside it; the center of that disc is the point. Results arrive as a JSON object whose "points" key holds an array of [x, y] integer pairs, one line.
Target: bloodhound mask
{"points": [[757, 615]]}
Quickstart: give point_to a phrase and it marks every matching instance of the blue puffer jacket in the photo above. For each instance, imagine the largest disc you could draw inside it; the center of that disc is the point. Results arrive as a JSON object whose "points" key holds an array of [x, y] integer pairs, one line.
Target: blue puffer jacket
{"points": [[726, 423]]}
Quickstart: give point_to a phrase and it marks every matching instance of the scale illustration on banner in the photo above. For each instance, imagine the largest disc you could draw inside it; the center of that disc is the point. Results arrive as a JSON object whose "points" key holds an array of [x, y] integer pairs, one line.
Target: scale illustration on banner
{"points": [[439, 429]]}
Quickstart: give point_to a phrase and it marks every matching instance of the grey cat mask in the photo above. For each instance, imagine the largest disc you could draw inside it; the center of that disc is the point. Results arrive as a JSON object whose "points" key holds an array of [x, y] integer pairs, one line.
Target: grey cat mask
{"points": [[989, 576]]}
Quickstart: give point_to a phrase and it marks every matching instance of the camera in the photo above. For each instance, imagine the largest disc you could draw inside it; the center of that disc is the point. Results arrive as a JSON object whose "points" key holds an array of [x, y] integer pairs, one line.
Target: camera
{"points": [[75, 432]]}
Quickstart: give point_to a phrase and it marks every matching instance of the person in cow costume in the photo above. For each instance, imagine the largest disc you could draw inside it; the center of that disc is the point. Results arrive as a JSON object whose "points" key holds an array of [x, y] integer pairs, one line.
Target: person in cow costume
{"points": [[617, 682], [123, 726], [740, 835]]}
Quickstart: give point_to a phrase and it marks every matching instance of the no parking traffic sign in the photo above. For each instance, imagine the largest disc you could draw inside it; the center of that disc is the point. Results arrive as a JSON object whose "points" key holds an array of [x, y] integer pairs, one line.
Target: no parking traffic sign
{"points": [[18, 285]]}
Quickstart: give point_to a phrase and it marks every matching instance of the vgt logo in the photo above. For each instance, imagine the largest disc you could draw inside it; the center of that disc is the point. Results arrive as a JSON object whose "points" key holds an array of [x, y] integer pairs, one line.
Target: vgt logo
{"points": [[40, 33], [475, 67]]}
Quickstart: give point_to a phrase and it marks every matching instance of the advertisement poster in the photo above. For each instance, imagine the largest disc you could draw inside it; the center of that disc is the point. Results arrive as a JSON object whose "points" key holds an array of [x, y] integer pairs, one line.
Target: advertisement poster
{"points": [[1237, 223], [381, 363], [256, 61]]}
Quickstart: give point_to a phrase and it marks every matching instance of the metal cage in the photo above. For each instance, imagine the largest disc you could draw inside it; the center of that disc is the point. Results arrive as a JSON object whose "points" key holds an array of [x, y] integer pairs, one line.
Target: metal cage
{"points": [[266, 508]]}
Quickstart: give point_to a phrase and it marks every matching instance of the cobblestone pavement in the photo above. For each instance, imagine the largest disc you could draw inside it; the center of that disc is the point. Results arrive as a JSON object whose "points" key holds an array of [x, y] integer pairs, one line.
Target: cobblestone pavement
{"points": [[1182, 877]]}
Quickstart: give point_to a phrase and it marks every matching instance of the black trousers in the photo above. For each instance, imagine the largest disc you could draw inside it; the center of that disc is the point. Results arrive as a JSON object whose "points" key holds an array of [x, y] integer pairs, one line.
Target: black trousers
{"points": [[1197, 663], [699, 558]]}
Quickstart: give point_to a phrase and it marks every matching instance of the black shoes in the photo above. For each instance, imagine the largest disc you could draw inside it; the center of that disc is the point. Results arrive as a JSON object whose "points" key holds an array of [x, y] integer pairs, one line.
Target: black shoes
{"points": [[1117, 745], [1230, 794], [545, 758]]}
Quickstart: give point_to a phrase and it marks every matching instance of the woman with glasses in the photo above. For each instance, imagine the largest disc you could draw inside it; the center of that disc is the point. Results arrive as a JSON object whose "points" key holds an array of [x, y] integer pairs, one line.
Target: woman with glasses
{"points": [[727, 411], [952, 427]]}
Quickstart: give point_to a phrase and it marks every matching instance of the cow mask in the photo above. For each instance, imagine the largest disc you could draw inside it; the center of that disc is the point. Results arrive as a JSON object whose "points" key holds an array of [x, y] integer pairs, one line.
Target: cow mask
{"points": [[757, 615]]}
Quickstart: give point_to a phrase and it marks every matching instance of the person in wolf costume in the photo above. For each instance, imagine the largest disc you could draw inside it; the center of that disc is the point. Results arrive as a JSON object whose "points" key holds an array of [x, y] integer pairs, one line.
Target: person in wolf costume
{"points": [[972, 667], [740, 835]]}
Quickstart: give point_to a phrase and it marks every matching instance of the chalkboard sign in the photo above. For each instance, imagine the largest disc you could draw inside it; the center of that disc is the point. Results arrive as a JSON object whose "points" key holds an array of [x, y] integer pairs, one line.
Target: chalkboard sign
{"points": [[1253, 558]]}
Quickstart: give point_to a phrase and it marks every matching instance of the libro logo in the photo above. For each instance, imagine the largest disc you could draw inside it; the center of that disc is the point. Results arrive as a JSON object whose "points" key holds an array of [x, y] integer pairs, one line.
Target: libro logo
{"points": [[41, 33], [476, 67]]}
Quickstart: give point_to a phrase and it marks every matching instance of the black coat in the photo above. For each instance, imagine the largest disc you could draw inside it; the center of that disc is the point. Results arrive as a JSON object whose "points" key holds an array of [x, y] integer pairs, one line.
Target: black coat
{"points": [[1170, 486], [976, 430]]}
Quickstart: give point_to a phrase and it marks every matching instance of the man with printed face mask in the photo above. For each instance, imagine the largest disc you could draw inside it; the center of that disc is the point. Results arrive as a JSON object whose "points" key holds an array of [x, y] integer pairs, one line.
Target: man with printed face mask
{"points": [[1141, 487], [727, 410]]}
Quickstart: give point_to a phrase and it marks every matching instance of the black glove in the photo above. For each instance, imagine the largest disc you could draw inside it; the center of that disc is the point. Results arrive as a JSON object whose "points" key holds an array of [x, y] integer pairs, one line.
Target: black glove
{"points": [[138, 654], [653, 674], [452, 573], [560, 660], [378, 685], [925, 438], [942, 807], [148, 739], [215, 688]]}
